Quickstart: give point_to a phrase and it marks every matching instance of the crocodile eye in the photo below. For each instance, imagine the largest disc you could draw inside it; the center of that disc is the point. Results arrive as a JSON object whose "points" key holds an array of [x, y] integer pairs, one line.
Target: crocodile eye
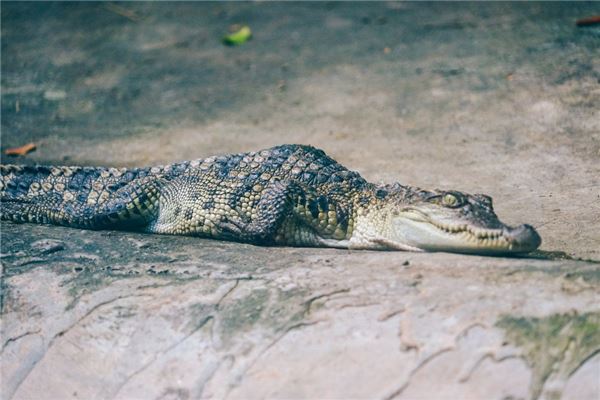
{"points": [[450, 200]]}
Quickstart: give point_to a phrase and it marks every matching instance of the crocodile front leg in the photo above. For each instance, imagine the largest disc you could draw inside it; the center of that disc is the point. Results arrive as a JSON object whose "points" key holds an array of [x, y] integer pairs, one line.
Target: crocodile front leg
{"points": [[275, 205], [291, 214]]}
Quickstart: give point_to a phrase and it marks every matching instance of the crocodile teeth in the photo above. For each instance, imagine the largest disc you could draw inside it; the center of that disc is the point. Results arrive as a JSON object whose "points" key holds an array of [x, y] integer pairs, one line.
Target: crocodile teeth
{"points": [[486, 237]]}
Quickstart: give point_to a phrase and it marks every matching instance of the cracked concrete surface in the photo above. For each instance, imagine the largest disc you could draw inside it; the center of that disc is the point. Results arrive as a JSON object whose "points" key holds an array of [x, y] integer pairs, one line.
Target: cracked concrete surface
{"points": [[495, 98], [229, 320]]}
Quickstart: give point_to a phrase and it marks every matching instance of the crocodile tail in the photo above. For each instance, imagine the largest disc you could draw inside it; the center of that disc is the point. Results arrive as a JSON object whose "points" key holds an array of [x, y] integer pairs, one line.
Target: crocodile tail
{"points": [[84, 197]]}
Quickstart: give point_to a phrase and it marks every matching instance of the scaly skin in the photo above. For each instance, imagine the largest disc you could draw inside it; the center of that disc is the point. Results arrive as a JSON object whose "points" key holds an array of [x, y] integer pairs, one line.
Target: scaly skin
{"points": [[287, 195]]}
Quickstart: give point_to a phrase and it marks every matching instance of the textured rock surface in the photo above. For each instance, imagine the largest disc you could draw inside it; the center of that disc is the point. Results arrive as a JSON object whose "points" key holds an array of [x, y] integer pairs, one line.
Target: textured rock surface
{"points": [[494, 98], [158, 315]]}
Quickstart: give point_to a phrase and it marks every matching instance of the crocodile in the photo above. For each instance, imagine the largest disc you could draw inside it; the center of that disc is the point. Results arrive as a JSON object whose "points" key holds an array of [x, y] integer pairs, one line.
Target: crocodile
{"points": [[288, 195]]}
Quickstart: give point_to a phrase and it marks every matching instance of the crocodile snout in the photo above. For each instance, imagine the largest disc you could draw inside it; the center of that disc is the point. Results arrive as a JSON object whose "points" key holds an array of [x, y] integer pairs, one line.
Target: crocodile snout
{"points": [[523, 238]]}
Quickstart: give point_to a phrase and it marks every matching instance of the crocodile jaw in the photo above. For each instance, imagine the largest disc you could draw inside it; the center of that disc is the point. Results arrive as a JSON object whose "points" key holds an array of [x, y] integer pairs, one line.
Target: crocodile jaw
{"points": [[417, 230]]}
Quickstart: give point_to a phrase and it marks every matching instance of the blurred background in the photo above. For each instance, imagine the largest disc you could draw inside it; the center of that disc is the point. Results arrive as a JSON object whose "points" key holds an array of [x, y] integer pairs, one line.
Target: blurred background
{"points": [[500, 98]]}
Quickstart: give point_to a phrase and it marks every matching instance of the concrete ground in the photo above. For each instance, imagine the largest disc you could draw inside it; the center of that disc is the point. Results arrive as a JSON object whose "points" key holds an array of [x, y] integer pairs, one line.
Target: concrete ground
{"points": [[496, 98]]}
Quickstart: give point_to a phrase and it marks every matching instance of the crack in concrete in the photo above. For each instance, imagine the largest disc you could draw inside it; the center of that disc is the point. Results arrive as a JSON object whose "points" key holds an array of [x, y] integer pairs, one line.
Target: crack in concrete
{"points": [[559, 373], [308, 303], [397, 392], [161, 353], [391, 314], [357, 305], [14, 339], [266, 349], [62, 332], [492, 356], [592, 354], [217, 305], [227, 293], [307, 308], [155, 356]]}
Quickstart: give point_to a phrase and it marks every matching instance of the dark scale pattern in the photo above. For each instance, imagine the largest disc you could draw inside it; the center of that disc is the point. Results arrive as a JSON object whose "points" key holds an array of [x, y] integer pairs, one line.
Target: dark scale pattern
{"points": [[247, 196], [290, 194], [241, 196]]}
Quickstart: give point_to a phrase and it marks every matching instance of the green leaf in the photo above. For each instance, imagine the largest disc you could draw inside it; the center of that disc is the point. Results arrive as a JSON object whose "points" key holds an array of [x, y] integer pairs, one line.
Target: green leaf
{"points": [[238, 37]]}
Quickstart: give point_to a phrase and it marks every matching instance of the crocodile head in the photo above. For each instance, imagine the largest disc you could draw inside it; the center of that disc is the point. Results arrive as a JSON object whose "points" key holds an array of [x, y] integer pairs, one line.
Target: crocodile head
{"points": [[452, 221]]}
